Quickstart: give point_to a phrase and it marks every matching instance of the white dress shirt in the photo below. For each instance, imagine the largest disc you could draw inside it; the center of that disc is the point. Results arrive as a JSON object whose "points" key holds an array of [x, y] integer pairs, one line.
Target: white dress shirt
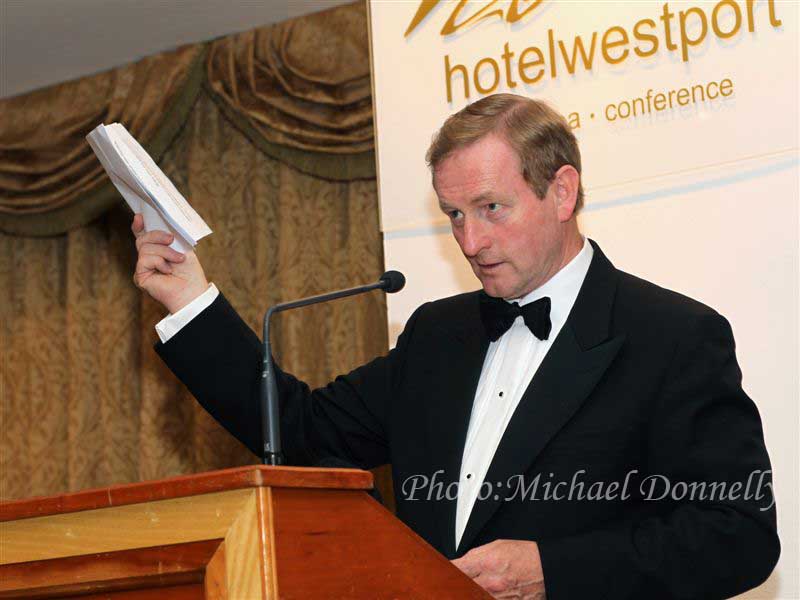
{"points": [[172, 324], [508, 368], [510, 364]]}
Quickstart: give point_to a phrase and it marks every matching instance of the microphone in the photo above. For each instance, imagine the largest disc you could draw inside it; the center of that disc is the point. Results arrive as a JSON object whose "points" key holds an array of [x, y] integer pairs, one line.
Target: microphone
{"points": [[393, 281], [390, 282]]}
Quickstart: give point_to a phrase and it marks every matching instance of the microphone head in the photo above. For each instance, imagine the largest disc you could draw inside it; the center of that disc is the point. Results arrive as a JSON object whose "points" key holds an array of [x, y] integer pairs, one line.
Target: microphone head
{"points": [[393, 281]]}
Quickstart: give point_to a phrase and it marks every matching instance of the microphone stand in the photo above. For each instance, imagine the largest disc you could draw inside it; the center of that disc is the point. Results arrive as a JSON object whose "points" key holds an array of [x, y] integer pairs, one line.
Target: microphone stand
{"points": [[270, 412]]}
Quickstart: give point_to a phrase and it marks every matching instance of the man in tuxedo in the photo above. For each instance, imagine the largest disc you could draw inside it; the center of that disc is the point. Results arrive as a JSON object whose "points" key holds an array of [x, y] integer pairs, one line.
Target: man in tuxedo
{"points": [[569, 429]]}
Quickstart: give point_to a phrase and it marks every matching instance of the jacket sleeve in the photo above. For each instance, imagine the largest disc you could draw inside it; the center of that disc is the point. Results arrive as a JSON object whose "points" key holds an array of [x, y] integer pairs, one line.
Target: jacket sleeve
{"points": [[218, 357], [704, 431]]}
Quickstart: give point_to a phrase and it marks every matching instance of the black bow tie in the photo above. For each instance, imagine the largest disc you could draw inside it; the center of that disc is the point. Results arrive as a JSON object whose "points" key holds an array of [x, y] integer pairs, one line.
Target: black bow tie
{"points": [[498, 316]]}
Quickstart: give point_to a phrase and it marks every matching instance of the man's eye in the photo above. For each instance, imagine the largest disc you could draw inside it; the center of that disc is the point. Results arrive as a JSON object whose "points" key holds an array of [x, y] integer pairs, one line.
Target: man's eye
{"points": [[454, 214], [493, 206]]}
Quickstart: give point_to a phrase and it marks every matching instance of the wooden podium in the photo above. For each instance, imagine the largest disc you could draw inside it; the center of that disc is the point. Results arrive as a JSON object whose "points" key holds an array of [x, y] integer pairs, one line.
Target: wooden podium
{"points": [[250, 532]]}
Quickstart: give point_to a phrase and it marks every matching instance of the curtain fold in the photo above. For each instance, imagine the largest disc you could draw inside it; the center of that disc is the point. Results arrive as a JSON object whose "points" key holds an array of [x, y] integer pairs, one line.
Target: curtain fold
{"points": [[295, 90], [50, 180], [301, 91]]}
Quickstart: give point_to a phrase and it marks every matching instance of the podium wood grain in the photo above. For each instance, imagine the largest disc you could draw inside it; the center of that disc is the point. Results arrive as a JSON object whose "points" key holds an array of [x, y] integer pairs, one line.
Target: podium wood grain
{"points": [[252, 532]]}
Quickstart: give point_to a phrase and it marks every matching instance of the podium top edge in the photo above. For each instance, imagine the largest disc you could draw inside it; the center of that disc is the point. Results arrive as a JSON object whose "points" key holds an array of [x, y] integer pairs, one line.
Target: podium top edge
{"points": [[252, 476]]}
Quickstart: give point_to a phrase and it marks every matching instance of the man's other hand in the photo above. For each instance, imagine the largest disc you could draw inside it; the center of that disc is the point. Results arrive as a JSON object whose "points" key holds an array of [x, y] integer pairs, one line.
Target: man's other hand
{"points": [[172, 278], [506, 569]]}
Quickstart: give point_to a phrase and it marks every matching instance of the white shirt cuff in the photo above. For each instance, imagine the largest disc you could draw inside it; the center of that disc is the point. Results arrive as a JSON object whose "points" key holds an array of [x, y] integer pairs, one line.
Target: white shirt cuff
{"points": [[172, 324]]}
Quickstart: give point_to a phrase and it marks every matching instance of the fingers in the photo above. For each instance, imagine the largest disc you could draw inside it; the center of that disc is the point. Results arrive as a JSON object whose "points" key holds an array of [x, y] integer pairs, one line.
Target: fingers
{"points": [[155, 258], [468, 564], [478, 560], [160, 250], [149, 263], [154, 237], [148, 237], [137, 227]]}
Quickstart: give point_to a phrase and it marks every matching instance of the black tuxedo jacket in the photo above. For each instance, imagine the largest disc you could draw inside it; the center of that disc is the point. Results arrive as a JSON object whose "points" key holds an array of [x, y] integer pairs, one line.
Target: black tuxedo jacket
{"points": [[638, 401]]}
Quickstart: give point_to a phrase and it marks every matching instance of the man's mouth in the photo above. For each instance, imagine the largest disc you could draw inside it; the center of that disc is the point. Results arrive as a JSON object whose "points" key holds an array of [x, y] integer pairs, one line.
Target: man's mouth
{"points": [[489, 266]]}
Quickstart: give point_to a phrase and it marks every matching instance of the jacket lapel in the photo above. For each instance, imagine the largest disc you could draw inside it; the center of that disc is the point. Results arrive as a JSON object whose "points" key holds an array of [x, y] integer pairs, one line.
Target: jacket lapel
{"points": [[572, 368], [448, 416]]}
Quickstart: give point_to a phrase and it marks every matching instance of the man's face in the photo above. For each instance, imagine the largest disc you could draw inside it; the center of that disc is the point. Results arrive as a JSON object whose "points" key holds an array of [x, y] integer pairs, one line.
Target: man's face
{"points": [[513, 239]]}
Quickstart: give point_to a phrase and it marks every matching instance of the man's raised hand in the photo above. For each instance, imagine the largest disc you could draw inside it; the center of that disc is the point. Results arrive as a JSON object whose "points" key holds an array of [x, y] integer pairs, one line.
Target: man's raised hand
{"points": [[170, 277]]}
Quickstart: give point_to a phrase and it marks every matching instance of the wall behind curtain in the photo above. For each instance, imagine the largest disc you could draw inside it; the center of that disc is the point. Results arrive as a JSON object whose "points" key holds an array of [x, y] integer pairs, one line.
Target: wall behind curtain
{"points": [[85, 401]]}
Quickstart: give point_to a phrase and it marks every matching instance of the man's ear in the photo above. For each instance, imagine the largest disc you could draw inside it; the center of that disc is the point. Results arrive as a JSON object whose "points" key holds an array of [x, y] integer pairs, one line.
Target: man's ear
{"points": [[564, 186]]}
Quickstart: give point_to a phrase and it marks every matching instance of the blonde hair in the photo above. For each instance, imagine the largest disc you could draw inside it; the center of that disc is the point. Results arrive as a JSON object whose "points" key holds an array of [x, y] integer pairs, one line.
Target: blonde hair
{"points": [[540, 136]]}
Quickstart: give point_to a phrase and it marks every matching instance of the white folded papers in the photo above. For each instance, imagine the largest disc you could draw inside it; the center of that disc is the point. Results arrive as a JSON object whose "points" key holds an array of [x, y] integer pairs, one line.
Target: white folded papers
{"points": [[145, 187]]}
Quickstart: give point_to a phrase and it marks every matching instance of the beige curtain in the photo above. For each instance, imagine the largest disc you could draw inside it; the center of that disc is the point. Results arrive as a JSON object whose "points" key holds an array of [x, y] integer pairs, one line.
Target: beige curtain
{"points": [[84, 400], [303, 83]]}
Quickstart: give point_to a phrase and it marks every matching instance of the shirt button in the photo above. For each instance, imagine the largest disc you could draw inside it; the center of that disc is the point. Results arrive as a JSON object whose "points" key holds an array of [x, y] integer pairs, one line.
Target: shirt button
{"points": [[469, 475], [501, 394]]}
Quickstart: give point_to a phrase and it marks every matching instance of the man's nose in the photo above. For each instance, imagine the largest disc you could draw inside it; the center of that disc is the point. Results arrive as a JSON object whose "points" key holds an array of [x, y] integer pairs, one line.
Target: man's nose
{"points": [[473, 238]]}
